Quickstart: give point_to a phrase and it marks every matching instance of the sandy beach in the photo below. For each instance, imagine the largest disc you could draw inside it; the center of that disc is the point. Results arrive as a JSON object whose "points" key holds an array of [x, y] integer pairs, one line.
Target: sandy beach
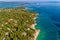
{"points": [[37, 31], [36, 34]]}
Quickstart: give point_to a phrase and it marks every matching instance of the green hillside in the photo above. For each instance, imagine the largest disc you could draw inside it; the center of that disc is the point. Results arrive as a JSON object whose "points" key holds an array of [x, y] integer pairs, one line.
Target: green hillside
{"points": [[15, 24]]}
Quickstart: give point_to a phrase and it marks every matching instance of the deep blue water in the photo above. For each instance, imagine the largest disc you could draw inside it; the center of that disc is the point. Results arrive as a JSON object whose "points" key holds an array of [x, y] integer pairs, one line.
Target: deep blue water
{"points": [[48, 21]]}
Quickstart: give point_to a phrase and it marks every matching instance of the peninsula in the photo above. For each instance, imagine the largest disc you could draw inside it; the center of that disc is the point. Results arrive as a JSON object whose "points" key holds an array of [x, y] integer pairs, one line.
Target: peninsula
{"points": [[18, 24]]}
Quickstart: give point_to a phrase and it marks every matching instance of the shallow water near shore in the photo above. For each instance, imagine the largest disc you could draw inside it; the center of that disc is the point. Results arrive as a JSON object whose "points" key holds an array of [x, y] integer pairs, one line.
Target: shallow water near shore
{"points": [[48, 20]]}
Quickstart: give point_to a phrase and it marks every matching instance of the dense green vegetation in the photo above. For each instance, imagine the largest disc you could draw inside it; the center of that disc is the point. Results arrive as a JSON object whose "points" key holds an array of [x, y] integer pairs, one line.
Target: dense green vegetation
{"points": [[15, 24]]}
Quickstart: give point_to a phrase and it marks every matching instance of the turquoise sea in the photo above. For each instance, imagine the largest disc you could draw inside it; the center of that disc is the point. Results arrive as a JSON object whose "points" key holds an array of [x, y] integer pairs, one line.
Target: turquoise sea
{"points": [[48, 20]]}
